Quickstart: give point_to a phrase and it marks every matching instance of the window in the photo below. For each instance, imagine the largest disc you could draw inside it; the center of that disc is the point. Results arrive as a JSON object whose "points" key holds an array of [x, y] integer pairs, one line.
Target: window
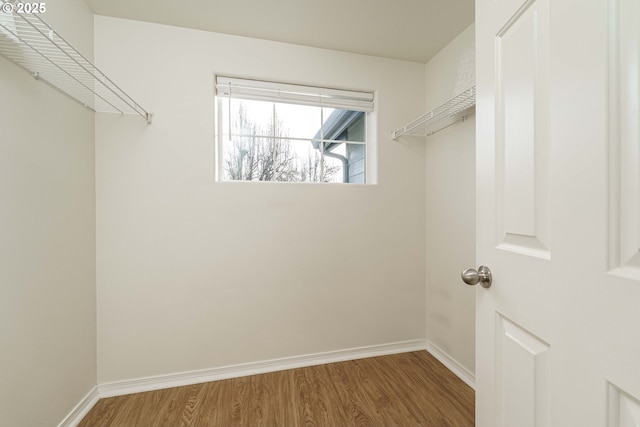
{"points": [[280, 132]]}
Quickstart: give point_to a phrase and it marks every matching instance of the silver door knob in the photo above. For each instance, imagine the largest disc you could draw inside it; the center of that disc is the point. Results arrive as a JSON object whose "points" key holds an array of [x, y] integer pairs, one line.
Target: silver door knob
{"points": [[472, 277]]}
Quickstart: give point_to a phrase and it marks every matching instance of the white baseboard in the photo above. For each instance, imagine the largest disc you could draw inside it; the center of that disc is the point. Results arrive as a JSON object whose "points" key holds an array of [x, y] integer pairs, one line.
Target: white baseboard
{"points": [[463, 373], [81, 409], [119, 388], [139, 385]]}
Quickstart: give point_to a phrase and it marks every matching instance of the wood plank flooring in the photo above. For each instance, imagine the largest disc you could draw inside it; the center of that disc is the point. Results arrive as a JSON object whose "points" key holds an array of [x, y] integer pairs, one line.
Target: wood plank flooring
{"points": [[408, 390]]}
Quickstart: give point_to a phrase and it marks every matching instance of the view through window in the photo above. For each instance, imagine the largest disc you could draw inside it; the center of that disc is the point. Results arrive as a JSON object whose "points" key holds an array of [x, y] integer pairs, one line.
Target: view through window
{"points": [[262, 139]]}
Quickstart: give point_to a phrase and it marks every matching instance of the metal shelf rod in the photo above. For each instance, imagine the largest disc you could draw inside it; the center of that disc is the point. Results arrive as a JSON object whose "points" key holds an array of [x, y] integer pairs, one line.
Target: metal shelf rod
{"points": [[443, 116], [28, 41]]}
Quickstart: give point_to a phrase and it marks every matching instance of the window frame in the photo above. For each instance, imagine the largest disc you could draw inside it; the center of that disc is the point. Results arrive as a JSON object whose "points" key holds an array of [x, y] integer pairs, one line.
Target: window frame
{"points": [[286, 93]]}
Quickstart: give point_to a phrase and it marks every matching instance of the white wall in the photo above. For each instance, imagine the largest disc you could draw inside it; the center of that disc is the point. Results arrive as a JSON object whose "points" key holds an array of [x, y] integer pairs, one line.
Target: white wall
{"points": [[47, 240], [195, 274], [450, 207]]}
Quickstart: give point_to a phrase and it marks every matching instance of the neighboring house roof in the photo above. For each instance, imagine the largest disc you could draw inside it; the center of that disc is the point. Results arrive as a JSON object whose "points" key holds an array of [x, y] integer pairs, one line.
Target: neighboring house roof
{"points": [[335, 125]]}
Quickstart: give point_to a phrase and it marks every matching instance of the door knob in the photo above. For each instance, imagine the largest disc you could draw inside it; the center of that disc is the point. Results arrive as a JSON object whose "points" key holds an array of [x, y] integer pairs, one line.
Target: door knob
{"points": [[471, 276]]}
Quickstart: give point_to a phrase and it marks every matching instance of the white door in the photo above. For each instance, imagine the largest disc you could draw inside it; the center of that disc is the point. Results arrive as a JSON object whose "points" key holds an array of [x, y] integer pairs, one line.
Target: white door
{"points": [[558, 212]]}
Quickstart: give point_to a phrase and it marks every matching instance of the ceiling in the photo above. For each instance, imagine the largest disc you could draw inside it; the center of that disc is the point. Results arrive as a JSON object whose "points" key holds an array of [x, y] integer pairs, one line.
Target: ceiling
{"points": [[411, 30]]}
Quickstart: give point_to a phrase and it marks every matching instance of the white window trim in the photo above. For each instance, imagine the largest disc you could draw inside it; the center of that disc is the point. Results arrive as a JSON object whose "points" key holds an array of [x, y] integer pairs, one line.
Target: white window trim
{"points": [[260, 90]]}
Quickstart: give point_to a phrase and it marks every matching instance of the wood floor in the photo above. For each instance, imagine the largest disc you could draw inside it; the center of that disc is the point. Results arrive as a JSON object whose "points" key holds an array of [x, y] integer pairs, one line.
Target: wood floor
{"points": [[408, 390]]}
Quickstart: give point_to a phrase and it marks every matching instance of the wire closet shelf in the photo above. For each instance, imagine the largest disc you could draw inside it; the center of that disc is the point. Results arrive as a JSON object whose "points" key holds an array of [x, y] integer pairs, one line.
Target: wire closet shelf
{"points": [[454, 110], [27, 40]]}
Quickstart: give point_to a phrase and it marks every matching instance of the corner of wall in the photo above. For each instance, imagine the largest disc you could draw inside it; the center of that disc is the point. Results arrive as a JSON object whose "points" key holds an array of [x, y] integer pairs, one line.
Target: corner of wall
{"points": [[450, 224]]}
